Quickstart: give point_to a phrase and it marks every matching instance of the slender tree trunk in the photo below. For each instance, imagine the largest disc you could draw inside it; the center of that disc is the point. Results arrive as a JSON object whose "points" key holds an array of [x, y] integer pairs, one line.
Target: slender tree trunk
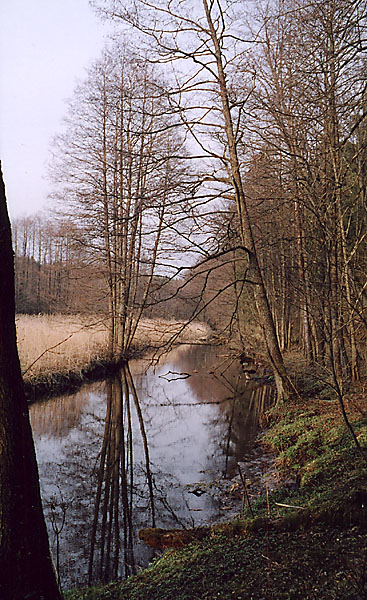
{"points": [[283, 383], [26, 569], [304, 308]]}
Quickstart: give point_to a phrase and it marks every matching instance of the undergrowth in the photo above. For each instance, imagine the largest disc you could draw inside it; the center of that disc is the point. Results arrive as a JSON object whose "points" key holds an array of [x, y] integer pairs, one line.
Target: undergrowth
{"points": [[262, 565], [328, 477]]}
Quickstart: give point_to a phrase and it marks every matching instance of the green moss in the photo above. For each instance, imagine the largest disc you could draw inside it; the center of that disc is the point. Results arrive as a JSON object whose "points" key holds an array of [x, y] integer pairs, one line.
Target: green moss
{"points": [[263, 565]]}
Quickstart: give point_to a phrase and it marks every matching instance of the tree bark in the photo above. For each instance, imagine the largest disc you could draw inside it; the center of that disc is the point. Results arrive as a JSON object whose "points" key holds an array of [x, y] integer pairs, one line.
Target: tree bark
{"points": [[26, 569]]}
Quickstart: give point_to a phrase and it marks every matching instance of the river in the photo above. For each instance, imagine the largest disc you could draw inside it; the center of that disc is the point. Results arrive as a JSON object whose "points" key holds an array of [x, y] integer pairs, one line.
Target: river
{"points": [[157, 445]]}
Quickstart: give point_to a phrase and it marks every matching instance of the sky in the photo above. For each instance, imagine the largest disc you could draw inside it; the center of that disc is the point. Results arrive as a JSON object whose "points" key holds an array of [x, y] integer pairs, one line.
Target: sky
{"points": [[45, 48]]}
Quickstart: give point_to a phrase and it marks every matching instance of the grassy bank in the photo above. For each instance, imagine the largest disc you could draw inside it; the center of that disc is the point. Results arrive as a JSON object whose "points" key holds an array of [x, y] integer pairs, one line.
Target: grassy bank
{"points": [[306, 540], [60, 351], [306, 565]]}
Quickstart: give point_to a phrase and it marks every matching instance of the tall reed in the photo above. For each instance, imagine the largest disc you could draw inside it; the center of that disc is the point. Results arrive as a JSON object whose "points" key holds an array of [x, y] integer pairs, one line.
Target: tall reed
{"points": [[60, 343], [57, 343]]}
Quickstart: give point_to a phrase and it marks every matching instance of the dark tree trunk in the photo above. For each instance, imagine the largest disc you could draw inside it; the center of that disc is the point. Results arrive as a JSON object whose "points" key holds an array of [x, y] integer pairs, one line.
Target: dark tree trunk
{"points": [[26, 569]]}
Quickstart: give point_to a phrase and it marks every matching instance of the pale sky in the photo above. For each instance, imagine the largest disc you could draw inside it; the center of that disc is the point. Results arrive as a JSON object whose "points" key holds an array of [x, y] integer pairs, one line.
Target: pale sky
{"points": [[45, 48]]}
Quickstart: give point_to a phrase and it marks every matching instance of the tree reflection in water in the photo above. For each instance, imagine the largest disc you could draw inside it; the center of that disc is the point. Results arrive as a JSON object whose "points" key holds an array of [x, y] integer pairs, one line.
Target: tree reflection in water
{"points": [[116, 484], [99, 472]]}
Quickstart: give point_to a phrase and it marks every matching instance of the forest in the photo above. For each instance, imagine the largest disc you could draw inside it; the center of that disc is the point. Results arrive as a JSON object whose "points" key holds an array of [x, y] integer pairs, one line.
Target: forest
{"points": [[212, 166]]}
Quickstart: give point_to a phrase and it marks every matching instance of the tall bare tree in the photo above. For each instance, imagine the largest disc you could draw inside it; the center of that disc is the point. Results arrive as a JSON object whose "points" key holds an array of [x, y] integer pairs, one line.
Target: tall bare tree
{"points": [[118, 173], [310, 69], [204, 36]]}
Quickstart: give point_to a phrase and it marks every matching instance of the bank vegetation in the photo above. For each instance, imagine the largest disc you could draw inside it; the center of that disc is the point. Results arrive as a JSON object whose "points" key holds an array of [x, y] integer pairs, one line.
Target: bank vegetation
{"points": [[58, 351]]}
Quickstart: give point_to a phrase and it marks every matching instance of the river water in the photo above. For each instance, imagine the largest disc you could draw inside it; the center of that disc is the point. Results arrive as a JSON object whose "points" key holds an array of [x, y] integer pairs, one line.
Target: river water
{"points": [[154, 446]]}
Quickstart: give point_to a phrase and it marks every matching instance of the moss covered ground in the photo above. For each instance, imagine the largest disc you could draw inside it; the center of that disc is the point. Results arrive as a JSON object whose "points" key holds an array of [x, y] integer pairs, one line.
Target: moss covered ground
{"points": [[308, 539]]}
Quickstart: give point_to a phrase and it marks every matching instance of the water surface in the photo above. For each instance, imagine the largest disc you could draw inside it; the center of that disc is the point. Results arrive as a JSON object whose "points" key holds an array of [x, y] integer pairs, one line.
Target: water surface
{"points": [[155, 446]]}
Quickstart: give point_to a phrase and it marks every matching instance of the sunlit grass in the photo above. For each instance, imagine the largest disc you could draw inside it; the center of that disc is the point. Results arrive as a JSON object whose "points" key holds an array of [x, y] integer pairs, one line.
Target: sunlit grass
{"points": [[56, 343], [158, 331], [62, 343]]}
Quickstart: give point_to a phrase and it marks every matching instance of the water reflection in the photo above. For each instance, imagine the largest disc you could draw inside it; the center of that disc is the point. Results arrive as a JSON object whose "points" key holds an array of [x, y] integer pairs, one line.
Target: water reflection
{"points": [[130, 452], [115, 484], [51, 418]]}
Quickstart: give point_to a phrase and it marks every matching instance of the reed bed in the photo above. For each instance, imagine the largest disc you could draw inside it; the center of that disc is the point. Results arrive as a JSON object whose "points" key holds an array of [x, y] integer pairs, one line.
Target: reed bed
{"points": [[158, 331], [50, 344], [59, 343]]}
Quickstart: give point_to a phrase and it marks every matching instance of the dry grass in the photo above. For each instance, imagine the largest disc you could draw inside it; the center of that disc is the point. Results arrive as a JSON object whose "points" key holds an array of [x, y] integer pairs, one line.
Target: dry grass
{"points": [[61, 343], [58, 343], [158, 331]]}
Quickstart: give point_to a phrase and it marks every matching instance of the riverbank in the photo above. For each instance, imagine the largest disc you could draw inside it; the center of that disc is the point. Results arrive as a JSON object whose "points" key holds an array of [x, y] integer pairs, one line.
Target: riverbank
{"points": [[305, 540], [58, 353]]}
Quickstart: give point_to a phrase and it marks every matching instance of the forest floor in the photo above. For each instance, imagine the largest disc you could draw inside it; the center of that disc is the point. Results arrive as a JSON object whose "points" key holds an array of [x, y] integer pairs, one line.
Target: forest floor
{"points": [[306, 540], [59, 352]]}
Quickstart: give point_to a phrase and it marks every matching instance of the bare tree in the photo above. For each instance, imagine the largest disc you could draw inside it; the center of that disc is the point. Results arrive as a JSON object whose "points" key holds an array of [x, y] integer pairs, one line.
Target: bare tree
{"points": [[118, 173], [205, 36], [309, 95]]}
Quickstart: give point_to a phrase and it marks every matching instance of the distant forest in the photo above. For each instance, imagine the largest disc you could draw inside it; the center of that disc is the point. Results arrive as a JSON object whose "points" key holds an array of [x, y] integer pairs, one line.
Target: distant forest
{"points": [[53, 275]]}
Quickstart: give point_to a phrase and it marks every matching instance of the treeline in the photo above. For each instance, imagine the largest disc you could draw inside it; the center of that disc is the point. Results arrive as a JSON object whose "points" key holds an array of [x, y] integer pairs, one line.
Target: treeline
{"points": [[53, 274], [307, 181]]}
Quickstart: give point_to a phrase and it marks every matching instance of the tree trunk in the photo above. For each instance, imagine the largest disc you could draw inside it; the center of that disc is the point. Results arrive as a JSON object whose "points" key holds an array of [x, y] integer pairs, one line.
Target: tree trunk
{"points": [[303, 277], [26, 569], [283, 383]]}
